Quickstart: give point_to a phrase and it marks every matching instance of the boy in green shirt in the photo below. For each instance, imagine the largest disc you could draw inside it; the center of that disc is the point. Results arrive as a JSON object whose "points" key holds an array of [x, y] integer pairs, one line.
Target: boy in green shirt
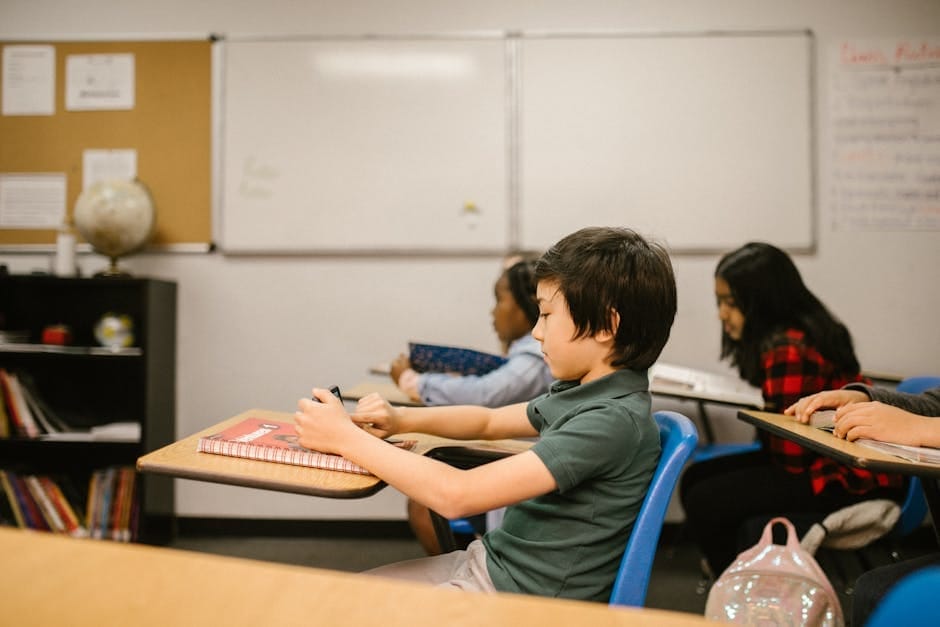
{"points": [[607, 300]]}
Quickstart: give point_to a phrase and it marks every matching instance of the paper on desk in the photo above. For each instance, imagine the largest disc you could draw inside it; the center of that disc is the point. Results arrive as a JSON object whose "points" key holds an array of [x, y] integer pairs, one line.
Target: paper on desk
{"points": [[924, 454]]}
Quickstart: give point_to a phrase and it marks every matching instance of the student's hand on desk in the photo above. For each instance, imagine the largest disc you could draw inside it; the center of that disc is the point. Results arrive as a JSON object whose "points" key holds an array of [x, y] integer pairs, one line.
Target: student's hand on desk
{"points": [[398, 366], [322, 425], [377, 416], [877, 421], [830, 399]]}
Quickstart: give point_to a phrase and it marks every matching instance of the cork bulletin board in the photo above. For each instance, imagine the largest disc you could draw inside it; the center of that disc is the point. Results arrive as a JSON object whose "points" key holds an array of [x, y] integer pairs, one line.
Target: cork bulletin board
{"points": [[170, 127]]}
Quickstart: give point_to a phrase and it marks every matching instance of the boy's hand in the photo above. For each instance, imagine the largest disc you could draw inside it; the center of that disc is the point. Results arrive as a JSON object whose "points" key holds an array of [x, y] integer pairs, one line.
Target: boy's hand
{"points": [[831, 399], [377, 416], [322, 426]]}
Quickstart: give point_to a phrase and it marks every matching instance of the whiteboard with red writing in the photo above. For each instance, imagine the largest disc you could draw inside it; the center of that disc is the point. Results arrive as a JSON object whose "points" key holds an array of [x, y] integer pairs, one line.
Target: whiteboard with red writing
{"points": [[704, 141]]}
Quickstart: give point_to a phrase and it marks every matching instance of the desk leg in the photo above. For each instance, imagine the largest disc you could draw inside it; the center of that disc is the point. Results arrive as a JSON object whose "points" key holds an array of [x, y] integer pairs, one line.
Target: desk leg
{"points": [[932, 494], [706, 424]]}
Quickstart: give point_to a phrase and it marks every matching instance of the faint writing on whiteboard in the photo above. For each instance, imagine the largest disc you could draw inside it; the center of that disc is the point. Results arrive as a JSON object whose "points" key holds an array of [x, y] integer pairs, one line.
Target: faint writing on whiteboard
{"points": [[257, 180], [885, 120]]}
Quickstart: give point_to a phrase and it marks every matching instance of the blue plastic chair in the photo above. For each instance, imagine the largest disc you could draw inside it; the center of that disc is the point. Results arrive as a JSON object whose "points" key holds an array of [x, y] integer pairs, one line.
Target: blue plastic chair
{"points": [[914, 508], [678, 437], [912, 601]]}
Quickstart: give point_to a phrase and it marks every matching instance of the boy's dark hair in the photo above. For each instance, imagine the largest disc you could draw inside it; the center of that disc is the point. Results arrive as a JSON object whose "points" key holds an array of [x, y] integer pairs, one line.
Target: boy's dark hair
{"points": [[522, 286], [602, 269], [769, 291]]}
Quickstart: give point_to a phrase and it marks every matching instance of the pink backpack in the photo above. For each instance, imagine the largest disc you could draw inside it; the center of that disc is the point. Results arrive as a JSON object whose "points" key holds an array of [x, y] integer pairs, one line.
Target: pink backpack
{"points": [[774, 584]]}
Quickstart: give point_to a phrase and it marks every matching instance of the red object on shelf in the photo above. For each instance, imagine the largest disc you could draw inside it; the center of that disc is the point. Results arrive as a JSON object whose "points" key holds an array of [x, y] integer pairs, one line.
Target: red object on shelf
{"points": [[58, 334]]}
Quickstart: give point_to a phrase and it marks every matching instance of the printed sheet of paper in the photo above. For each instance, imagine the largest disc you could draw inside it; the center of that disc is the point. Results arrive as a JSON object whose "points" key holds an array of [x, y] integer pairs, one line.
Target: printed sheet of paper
{"points": [[108, 165], [28, 80], [32, 201], [884, 109], [95, 82]]}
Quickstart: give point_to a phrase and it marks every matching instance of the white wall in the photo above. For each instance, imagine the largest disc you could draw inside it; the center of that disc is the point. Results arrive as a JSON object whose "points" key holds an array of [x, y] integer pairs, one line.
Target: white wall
{"points": [[260, 331]]}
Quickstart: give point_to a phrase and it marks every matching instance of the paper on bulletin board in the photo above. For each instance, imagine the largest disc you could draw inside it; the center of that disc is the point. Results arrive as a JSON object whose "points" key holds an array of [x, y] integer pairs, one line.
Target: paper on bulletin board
{"points": [[98, 82], [28, 80], [885, 119], [32, 201], [108, 165]]}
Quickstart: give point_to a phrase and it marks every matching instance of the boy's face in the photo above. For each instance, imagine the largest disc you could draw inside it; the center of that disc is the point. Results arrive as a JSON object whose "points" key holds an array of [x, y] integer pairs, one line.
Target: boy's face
{"points": [[569, 359]]}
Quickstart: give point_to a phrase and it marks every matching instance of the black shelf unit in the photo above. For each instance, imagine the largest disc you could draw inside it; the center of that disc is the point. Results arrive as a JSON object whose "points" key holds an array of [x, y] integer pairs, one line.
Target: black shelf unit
{"points": [[88, 386]]}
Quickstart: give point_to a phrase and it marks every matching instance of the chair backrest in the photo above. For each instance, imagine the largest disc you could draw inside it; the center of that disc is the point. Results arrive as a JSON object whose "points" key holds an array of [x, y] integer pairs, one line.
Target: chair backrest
{"points": [[678, 437], [914, 508], [912, 601]]}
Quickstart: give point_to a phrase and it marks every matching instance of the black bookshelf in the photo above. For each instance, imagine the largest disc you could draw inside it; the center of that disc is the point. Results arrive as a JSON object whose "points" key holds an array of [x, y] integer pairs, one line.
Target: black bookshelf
{"points": [[88, 385]]}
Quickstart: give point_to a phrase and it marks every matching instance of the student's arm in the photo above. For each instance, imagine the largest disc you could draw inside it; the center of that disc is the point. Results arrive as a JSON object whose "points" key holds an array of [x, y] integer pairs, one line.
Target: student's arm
{"points": [[522, 378], [451, 492], [458, 422], [877, 421]]}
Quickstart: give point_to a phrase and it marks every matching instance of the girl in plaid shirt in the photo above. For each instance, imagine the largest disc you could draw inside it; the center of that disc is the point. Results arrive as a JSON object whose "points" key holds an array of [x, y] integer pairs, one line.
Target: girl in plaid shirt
{"points": [[782, 339]]}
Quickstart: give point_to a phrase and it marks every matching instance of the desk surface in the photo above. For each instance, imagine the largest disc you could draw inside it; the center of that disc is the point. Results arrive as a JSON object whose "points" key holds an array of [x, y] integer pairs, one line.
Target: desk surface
{"points": [[182, 460], [49, 579], [386, 389], [825, 443]]}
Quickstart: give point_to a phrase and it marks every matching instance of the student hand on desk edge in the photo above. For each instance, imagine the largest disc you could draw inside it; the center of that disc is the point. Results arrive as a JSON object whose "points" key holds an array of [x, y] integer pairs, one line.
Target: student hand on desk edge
{"points": [[859, 417]]}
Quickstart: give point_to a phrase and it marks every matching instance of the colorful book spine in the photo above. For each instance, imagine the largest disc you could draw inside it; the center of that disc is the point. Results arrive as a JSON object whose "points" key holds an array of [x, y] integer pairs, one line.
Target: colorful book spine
{"points": [[12, 498], [48, 511]]}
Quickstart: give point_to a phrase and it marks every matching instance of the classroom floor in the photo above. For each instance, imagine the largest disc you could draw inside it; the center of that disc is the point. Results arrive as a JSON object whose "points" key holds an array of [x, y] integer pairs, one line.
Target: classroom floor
{"points": [[676, 583]]}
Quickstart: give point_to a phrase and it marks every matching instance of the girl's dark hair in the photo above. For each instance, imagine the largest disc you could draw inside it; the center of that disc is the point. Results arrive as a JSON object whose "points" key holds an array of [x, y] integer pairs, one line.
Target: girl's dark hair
{"points": [[600, 270], [767, 288], [522, 286]]}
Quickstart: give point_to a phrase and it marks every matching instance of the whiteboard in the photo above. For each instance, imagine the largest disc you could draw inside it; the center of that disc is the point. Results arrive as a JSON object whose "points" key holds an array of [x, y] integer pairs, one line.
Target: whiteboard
{"points": [[704, 141], [363, 144]]}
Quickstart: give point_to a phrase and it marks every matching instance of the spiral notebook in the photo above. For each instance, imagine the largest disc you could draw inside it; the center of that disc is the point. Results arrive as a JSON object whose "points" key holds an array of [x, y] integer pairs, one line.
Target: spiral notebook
{"points": [[276, 441]]}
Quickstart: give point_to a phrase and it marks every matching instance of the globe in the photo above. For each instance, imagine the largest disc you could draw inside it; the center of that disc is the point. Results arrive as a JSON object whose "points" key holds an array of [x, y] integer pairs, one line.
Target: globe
{"points": [[116, 218]]}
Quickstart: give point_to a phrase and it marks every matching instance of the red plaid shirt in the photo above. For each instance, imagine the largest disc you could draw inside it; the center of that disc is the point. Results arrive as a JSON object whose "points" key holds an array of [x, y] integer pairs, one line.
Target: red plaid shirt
{"points": [[792, 370]]}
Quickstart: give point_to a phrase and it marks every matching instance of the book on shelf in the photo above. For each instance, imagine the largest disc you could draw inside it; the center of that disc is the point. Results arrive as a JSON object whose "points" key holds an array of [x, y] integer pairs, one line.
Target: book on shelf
{"points": [[12, 499], [276, 441], [452, 359], [17, 408], [38, 502]]}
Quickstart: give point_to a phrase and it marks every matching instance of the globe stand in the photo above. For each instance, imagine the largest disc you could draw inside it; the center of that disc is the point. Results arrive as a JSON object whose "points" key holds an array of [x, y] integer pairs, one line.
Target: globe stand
{"points": [[112, 270]]}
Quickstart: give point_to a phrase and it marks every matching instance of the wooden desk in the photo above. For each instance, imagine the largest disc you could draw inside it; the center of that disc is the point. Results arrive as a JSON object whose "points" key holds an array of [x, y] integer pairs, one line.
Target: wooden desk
{"points": [[850, 453], [181, 459], [49, 579], [702, 387], [386, 389]]}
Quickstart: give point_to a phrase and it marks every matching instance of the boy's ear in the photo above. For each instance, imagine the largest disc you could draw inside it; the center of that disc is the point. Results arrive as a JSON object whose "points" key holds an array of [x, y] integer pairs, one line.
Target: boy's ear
{"points": [[611, 333]]}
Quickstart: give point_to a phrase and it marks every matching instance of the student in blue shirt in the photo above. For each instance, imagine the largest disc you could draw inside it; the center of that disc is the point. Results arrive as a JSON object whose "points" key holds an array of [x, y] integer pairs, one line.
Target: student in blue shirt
{"points": [[607, 300], [524, 375]]}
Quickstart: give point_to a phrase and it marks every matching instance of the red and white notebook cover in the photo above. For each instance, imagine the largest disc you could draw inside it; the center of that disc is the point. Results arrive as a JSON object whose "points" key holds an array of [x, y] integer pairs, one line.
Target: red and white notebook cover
{"points": [[276, 441]]}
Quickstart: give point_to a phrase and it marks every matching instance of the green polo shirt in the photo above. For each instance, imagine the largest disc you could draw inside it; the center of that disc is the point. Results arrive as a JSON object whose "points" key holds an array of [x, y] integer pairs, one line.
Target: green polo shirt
{"points": [[600, 442]]}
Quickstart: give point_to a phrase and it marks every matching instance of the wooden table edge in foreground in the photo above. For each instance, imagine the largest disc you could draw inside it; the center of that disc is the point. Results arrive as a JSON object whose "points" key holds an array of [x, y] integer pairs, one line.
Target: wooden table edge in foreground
{"points": [[48, 577], [182, 460]]}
